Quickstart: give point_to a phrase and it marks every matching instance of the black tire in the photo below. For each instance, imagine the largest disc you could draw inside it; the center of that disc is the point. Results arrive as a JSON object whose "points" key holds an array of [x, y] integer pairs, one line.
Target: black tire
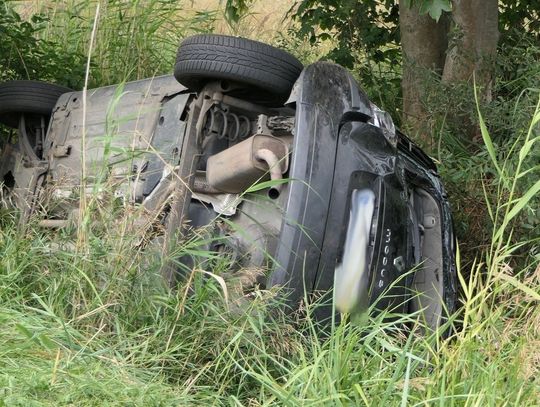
{"points": [[34, 99], [268, 72]]}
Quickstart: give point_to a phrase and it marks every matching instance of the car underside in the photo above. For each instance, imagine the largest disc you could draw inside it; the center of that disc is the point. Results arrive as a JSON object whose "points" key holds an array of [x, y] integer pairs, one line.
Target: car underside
{"points": [[291, 170]]}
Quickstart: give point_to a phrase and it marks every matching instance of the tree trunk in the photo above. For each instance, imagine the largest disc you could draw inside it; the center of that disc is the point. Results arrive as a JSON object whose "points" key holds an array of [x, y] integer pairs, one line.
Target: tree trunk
{"points": [[471, 53], [473, 44], [424, 43]]}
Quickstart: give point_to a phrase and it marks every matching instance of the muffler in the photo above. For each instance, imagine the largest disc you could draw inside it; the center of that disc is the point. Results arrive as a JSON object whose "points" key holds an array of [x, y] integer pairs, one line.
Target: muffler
{"points": [[258, 158]]}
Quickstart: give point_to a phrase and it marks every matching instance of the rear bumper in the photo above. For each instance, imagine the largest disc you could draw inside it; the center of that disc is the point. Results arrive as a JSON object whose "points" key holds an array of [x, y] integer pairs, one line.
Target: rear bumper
{"points": [[336, 150]]}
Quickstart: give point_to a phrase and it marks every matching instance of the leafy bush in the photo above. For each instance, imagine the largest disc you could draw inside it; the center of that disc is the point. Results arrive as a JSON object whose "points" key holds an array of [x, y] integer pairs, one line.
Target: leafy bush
{"points": [[465, 166], [27, 56]]}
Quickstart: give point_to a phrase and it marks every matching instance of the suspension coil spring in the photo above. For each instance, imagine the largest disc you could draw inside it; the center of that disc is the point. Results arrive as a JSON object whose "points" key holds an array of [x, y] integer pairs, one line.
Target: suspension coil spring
{"points": [[226, 124]]}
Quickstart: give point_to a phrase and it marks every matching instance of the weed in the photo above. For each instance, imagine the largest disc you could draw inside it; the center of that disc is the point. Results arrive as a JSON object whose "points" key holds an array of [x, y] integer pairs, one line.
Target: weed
{"points": [[99, 327]]}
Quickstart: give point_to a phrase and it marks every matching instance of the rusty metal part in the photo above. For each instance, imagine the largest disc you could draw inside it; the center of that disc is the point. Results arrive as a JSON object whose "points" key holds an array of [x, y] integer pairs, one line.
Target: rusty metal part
{"points": [[280, 125], [240, 166], [225, 124], [181, 198], [200, 184], [247, 106], [24, 143]]}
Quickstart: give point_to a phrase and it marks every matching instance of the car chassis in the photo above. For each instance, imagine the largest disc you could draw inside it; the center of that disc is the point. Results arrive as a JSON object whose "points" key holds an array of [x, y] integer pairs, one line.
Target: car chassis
{"points": [[321, 190]]}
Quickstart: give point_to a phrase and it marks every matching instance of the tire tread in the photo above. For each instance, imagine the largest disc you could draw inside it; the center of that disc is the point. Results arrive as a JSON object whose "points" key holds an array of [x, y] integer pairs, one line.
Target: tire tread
{"points": [[207, 57]]}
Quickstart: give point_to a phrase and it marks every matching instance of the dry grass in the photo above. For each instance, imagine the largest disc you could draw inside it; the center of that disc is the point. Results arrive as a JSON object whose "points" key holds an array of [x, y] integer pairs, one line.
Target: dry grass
{"points": [[265, 19]]}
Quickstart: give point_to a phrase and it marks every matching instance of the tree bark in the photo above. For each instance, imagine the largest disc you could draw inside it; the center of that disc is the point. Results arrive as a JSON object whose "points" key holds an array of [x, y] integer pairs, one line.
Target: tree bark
{"points": [[473, 44], [471, 54], [424, 43]]}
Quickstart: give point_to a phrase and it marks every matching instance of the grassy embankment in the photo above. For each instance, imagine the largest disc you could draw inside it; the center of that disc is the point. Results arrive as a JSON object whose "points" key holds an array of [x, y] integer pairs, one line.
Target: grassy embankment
{"points": [[95, 326]]}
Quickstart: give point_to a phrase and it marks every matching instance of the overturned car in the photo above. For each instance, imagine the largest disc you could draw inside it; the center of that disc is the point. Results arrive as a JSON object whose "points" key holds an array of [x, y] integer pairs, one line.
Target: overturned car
{"points": [[296, 170]]}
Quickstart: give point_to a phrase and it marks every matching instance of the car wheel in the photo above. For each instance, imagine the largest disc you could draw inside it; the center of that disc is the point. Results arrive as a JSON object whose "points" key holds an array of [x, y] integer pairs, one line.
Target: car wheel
{"points": [[267, 73], [34, 99]]}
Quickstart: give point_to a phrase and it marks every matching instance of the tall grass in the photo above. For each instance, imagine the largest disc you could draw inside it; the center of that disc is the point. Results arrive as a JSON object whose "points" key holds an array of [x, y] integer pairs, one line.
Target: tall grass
{"points": [[98, 327], [139, 38], [135, 39]]}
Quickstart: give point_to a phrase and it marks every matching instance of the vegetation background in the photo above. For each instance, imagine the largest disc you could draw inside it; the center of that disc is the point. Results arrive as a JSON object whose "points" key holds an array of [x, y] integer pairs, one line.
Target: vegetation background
{"points": [[97, 327]]}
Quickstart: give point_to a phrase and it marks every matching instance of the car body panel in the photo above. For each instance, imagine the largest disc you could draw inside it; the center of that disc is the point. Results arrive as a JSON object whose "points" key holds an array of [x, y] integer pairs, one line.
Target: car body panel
{"points": [[144, 138], [323, 95], [131, 131]]}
